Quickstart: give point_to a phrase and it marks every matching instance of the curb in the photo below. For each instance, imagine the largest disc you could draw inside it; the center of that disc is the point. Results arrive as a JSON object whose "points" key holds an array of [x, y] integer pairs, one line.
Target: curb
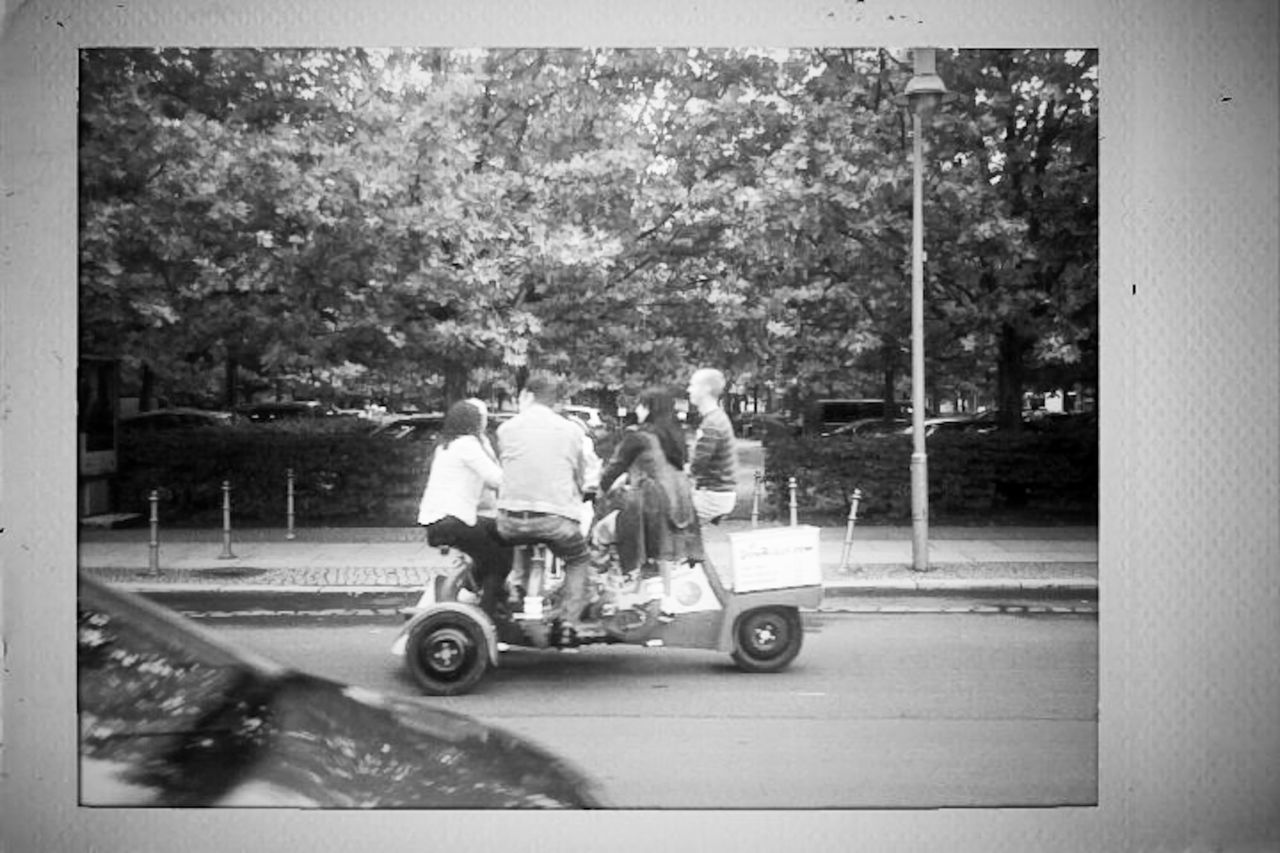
{"points": [[283, 600], [1087, 587]]}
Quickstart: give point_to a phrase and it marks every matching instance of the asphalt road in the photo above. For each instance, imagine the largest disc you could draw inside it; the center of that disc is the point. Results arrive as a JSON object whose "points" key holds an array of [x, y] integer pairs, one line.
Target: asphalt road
{"points": [[914, 710]]}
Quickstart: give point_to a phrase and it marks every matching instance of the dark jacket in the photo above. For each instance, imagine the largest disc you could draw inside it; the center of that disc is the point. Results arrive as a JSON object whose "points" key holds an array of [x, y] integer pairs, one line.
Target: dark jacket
{"points": [[656, 519]]}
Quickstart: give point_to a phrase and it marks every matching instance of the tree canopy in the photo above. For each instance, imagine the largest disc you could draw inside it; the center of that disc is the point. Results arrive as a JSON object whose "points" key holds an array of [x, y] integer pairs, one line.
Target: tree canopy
{"points": [[420, 225]]}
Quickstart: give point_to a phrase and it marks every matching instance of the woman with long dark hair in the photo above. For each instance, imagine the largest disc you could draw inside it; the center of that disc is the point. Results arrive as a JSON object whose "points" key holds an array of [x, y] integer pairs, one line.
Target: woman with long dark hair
{"points": [[656, 521], [459, 506]]}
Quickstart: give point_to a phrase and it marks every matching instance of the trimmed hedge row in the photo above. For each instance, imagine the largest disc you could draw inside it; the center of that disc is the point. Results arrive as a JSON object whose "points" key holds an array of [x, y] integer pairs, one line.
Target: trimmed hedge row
{"points": [[353, 477], [342, 474], [338, 476], [970, 475]]}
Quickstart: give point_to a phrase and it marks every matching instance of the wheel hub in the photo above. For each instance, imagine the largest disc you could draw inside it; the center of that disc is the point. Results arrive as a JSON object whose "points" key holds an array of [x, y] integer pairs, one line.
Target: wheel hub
{"points": [[447, 650], [766, 635]]}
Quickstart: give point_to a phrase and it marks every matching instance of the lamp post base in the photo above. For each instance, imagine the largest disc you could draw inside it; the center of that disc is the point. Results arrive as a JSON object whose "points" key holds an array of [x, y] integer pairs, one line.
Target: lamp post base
{"points": [[919, 512]]}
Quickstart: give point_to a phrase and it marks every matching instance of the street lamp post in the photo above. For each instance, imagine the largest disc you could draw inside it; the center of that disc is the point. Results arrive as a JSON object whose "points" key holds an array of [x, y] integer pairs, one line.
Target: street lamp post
{"points": [[924, 92]]}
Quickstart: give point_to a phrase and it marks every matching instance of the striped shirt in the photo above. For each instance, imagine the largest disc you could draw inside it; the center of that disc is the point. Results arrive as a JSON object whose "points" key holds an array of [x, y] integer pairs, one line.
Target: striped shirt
{"points": [[714, 454]]}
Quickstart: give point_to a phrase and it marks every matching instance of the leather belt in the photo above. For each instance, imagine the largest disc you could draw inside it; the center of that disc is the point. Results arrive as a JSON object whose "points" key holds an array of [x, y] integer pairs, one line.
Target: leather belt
{"points": [[521, 513]]}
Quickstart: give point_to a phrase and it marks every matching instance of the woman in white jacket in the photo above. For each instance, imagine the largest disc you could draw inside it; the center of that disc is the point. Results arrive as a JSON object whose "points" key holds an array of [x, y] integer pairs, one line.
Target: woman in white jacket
{"points": [[459, 503]]}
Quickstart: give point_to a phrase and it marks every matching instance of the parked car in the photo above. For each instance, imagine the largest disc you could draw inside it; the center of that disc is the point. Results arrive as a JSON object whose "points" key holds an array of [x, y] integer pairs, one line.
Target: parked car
{"points": [[827, 415], [172, 715], [282, 410], [173, 418], [423, 428], [497, 419], [879, 427], [1062, 423], [588, 415], [981, 422], [869, 428], [771, 424], [758, 424]]}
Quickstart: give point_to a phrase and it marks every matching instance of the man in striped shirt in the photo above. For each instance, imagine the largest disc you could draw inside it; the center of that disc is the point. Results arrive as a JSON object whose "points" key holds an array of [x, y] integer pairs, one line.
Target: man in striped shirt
{"points": [[715, 456]]}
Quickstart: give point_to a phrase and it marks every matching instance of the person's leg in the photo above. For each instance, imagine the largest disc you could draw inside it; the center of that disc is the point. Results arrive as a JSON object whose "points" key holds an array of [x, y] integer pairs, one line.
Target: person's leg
{"points": [[493, 558], [631, 552], [564, 537]]}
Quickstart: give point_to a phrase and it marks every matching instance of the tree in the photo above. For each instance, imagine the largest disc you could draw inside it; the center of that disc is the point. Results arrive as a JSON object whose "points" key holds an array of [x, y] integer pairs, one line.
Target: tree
{"points": [[421, 223]]}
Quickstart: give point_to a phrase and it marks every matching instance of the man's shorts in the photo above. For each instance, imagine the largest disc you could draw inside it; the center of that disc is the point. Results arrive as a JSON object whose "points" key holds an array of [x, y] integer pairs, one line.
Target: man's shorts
{"points": [[709, 505]]}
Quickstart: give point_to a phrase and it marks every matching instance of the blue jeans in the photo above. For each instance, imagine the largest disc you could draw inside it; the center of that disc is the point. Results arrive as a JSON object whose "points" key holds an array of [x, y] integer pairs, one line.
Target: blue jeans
{"points": [[563, 536]]}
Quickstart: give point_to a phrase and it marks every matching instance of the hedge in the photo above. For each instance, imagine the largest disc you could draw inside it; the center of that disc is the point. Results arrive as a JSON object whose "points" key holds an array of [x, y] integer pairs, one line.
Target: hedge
{"points": [[342, 474], [346, 476], [339, 475], [970, 475]]}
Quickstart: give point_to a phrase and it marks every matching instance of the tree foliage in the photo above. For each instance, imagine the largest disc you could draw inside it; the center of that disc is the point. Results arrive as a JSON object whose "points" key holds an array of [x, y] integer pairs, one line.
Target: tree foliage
{"points": [[426, 224]]}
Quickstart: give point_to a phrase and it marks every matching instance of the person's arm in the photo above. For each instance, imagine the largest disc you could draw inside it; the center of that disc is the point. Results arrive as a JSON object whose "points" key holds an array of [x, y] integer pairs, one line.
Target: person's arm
{"points": [[591, 467], [631, 446], [479, 461]]}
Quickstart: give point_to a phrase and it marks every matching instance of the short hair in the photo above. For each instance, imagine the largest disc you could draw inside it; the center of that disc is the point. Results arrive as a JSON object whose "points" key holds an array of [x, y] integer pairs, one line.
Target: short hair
{"points": [[712, 379], [545, 389]]}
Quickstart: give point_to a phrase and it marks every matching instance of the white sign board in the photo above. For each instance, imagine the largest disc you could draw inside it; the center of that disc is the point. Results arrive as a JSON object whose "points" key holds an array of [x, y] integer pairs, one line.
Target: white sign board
{"points": [[774, 558]]}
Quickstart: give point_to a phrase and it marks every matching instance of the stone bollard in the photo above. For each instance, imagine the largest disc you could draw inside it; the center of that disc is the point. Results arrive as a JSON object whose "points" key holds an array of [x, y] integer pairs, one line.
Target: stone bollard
{"points": [[854, 499], [289, 533], [226, 522], [153, 547], [791, 486]]}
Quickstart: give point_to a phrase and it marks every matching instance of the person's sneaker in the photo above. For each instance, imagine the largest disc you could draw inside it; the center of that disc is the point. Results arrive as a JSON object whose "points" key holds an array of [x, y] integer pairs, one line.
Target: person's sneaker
{"points": [[666, 610], [563, 635]]}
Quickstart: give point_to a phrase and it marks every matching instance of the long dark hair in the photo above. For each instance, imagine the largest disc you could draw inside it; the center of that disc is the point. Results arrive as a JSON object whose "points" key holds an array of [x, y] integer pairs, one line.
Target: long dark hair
{"points": [[463, 418], [662, 423]]}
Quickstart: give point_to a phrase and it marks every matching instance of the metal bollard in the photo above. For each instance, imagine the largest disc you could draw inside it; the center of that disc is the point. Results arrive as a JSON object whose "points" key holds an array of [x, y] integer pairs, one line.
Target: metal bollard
{"points": [[755, 502], [226, 522], [791, 485], [848, 531], [289, 533], [153, 548]]}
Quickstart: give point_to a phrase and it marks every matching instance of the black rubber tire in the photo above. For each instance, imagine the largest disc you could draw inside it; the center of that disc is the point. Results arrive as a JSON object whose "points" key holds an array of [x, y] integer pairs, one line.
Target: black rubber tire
{"points": [[447, 653], [767, 639]]}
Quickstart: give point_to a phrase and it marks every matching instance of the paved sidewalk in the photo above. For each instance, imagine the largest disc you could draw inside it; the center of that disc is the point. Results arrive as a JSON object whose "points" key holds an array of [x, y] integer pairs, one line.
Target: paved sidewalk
{"points": [[335, 559]]}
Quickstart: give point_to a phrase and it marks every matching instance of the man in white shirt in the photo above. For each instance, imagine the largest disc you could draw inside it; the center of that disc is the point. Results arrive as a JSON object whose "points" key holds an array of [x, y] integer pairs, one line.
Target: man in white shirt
{"points": [[544, 469]]}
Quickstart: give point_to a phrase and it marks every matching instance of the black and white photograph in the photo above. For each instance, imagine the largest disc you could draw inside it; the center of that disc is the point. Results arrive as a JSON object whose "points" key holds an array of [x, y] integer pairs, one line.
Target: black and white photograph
{"points": [[486, 428], [730, 425]]}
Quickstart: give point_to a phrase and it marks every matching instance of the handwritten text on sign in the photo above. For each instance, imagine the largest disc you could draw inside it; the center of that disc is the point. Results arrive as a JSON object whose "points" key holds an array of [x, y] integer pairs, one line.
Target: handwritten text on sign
{"points": [[775, 558]]}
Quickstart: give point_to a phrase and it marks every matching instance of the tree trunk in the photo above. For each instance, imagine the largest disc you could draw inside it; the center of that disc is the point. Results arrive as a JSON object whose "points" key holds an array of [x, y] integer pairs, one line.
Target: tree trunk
{"points": [[230, 382], [1009, 382], [147, 390], [890, 376], [455, 382]]}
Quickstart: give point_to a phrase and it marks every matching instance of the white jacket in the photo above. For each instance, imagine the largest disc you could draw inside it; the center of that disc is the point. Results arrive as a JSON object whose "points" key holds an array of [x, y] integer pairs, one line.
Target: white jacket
{"points": [[464, 480]]}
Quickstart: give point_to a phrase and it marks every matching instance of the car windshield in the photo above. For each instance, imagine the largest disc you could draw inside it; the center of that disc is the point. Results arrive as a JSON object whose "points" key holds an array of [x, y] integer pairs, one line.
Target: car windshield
{"points": [[163, 718], [170, 715]]}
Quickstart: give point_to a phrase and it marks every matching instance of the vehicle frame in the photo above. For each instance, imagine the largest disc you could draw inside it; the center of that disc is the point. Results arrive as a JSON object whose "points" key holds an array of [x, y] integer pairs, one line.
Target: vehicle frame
{"points": [[449, 643]]}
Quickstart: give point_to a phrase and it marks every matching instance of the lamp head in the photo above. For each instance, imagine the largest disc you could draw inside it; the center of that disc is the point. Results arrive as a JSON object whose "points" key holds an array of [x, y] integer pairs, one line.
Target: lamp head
{"points": [[925, 90]]}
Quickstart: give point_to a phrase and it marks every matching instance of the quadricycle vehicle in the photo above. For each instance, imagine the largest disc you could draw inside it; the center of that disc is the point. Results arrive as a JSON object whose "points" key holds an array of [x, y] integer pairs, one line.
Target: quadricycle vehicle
{"points": [[448, 642]]}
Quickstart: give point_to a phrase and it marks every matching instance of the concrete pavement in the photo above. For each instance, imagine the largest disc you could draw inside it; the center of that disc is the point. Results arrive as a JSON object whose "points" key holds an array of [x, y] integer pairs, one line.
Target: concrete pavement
{"points": [[962, 560]]}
